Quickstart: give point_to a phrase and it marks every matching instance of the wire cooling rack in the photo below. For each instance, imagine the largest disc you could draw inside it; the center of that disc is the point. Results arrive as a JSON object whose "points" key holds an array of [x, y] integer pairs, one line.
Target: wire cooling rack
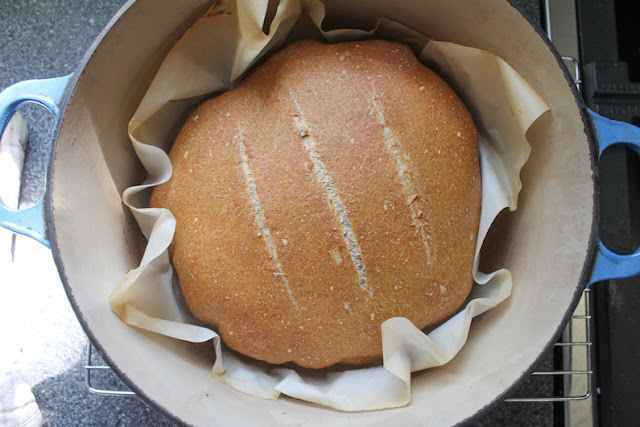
{"points": [[575, 349]]}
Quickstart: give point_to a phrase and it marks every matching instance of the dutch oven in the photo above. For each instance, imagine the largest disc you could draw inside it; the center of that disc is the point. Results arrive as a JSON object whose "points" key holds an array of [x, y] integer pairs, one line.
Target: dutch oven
{"points": [[550, 244]]}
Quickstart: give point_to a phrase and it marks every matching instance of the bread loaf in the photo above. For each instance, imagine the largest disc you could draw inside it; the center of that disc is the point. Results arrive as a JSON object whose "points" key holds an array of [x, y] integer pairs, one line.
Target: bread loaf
{"points": [[337, 186]]}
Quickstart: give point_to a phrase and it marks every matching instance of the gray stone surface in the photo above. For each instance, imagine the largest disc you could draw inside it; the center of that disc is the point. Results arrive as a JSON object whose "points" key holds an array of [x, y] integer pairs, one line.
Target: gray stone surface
{"points": [[41, 39]]}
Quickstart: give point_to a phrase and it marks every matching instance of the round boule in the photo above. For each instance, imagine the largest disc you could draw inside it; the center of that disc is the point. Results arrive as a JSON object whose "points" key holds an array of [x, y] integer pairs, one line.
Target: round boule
{"points": [[335, 187]]}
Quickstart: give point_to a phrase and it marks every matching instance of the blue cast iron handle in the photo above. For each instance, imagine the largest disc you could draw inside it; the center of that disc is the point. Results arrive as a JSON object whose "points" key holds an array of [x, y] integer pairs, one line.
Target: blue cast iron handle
{"points": [[48, 93], [609, 265]]}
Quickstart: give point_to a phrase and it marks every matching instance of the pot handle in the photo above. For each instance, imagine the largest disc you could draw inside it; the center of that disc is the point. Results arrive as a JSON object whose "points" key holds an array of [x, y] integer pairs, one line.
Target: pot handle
{"points": [[609, 265], [48, 93]]}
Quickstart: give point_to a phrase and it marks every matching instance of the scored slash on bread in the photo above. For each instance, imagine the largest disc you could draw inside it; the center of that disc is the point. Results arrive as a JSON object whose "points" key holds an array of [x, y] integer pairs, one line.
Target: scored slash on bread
{"points": [[335, 187]]}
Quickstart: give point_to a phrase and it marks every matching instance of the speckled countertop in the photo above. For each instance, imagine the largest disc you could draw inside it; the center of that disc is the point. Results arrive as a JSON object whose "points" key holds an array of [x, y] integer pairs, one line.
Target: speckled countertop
{"points": [[41, 39]]}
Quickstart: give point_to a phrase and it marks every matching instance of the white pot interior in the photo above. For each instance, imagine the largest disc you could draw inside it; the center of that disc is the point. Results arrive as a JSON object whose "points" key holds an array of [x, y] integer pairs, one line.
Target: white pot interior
{"points": [[544, 243]]}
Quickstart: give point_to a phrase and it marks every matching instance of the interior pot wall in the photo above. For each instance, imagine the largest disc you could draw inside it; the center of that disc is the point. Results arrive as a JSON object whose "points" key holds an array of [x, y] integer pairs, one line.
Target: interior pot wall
{"points": [[96, 241]]}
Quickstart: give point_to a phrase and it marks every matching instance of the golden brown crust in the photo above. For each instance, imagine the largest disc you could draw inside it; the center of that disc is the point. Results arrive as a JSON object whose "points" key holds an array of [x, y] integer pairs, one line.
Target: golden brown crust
{"points": [[337, 186]]}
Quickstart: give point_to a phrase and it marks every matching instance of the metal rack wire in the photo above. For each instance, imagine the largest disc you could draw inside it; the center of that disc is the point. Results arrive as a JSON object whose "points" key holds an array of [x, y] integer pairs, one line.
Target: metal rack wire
{"points": [[117, 387], [576, 344]]}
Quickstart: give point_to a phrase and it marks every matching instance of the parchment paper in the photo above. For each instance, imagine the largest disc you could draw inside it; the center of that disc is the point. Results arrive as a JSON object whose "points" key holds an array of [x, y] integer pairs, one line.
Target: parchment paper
{"points": [[211, 57]]}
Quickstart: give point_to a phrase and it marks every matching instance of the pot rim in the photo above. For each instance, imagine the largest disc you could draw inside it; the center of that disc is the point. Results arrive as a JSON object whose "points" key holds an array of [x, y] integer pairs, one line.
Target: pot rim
{"points": [[593, 238], [584, 277], [50, 224]]}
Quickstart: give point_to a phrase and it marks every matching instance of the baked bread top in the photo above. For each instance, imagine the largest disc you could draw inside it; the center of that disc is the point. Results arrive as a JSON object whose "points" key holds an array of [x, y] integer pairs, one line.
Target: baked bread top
{"points": [[335, 187]]}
